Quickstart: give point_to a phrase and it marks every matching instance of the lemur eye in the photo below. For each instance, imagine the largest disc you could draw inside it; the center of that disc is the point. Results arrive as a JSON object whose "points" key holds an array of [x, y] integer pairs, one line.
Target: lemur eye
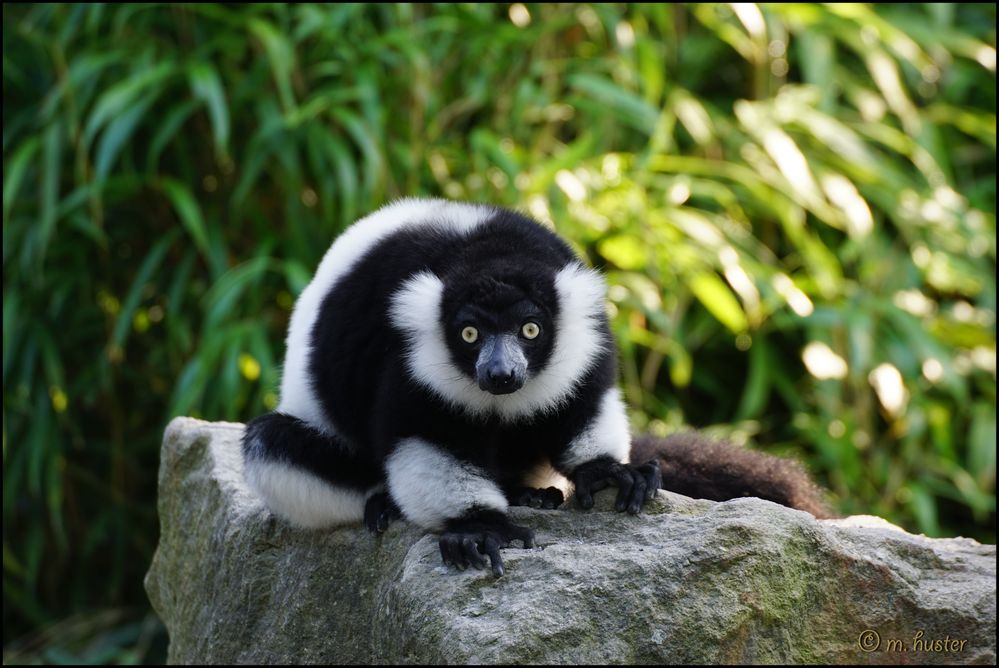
{"points": [[530, 330], [470, 334]]}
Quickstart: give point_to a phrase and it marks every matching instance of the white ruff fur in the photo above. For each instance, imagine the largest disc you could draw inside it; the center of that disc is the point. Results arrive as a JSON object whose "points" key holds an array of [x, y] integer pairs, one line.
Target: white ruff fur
{"points": [[432, 487], [416, 309], [302, 498], [607, 434], [297, 396]]}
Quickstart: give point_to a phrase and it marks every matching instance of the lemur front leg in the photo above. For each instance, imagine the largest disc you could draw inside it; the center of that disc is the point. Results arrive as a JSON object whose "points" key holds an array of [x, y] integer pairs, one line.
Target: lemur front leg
{"points": [[478, 534], [440, 492], [635, 484], [598, 457]]}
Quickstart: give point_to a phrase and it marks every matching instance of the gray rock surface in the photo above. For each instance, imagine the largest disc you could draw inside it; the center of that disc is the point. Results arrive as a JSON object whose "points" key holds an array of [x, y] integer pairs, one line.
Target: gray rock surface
{"points": [[687, 581]]}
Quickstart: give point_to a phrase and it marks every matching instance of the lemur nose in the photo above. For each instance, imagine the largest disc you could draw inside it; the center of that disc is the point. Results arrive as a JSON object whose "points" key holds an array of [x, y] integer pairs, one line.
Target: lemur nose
{"points": [[502, 367], [501, 376]]}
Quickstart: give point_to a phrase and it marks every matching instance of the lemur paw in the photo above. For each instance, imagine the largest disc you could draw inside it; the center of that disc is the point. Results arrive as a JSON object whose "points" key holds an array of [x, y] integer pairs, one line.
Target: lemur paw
{"points": [[379, 511], [467, 541], [548, 499], [636, 484]]}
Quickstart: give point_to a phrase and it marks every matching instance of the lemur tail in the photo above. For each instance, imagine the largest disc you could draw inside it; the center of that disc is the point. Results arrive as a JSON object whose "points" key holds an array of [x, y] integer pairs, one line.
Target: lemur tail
{"points": [[695, 466]]}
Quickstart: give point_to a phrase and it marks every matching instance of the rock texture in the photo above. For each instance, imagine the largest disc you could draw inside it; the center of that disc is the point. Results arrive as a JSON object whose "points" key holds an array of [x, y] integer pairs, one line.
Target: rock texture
{"points": [[687, 581]]}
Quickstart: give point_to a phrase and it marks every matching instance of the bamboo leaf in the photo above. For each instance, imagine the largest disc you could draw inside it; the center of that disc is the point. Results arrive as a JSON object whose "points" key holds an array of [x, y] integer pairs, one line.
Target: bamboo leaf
{"points": [[757, 388], [117, 99], [118, 132], [14, 173], [626, 251], [229, 289], [188, 211], [982, 445], [167, 130], [206, 85], [281, 57], [720, 302], [629, 107], [51, 162], [924, 507], [368, 144], [149, 266]]}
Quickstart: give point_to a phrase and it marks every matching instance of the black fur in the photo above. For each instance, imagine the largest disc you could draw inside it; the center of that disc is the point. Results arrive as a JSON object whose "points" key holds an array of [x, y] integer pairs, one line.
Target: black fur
{"points": [[287, 439], [379, 511], [549, 498], [368, 392], [635, 485], [478, 534]]}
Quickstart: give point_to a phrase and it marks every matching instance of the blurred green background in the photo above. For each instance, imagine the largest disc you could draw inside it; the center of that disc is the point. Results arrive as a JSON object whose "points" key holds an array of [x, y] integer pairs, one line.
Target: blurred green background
{"points": [[794, 204]]}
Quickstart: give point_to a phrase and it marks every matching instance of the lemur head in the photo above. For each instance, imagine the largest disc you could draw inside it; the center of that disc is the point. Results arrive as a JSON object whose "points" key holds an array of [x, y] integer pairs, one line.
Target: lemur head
{"points": [[500, 326], [507, 330]]}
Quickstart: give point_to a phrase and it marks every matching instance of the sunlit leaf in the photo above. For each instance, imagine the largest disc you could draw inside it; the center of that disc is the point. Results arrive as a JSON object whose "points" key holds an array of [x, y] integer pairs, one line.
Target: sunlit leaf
{"points": [[626, 251], [717, 298]]}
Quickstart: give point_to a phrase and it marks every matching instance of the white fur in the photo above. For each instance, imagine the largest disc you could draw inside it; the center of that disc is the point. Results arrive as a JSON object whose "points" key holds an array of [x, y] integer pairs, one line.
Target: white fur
{"points": [[297, 396], [607, 434], [416, 310], [432, 487], [301, 498], [544, 476]]}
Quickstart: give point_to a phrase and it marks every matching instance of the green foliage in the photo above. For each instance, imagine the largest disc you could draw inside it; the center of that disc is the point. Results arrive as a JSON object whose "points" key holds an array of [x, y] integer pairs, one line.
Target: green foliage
{"points": [[777, 193]]}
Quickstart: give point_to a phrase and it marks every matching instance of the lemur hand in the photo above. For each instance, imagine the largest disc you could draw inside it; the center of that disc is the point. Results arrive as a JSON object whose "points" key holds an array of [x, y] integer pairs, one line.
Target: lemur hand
{"points": [[636, 484], [467, 541], [548, 499]]}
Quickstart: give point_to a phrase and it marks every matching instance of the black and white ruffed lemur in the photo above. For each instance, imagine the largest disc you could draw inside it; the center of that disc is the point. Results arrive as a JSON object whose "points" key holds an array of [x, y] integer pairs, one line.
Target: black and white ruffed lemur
{"points": [[445, 359]]}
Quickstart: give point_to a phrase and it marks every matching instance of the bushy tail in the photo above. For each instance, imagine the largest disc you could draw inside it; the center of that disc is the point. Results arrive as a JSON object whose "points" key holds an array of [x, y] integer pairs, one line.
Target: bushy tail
{"points": [[696, 466]]}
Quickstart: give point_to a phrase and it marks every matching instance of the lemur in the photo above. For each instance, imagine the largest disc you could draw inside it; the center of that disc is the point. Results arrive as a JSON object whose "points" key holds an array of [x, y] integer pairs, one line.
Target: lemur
{"points": [[446, 357]]}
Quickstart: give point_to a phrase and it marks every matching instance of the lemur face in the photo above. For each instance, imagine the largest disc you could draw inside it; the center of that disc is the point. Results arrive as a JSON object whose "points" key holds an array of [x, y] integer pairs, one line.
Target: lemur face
{"points": [[500, 341], [502, 334]]}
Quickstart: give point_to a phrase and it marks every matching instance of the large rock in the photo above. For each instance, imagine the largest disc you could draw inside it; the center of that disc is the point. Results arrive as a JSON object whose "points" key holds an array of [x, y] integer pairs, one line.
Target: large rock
{"points": [[687, 581]]}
